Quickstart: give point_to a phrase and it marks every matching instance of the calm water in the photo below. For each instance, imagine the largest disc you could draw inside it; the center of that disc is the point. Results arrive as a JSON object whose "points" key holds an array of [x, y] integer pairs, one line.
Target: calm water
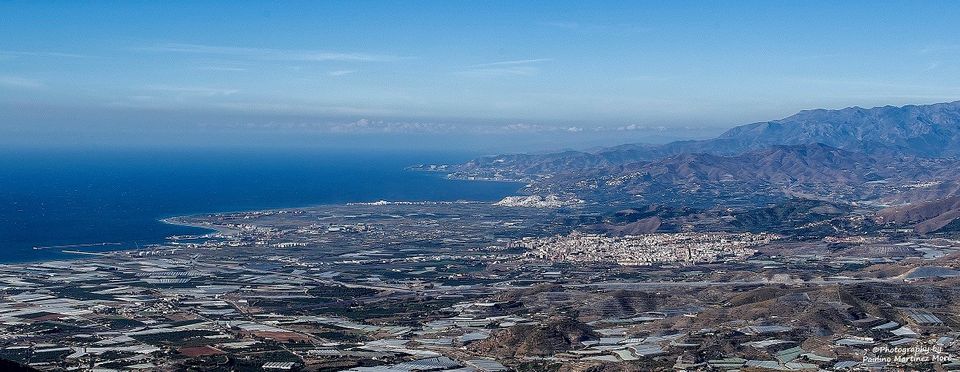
{"points": [[75, 197]]}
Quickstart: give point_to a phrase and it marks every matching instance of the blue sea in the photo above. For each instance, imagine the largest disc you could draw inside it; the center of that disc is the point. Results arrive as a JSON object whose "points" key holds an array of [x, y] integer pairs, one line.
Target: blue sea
{"points": [[81, 197]]}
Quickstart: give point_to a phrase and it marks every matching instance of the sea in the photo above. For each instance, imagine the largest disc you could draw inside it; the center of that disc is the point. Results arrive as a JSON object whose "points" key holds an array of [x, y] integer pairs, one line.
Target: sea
{"points": [[96, 200]]}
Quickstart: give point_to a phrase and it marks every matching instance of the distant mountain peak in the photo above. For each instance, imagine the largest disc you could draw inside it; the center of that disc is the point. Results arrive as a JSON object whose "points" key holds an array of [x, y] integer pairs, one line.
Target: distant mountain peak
{"points": [[926, 130]]}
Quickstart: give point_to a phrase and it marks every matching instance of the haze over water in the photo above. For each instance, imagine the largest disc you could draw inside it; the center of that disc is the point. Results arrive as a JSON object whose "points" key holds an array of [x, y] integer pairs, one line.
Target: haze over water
{"points": [[80, 197]]}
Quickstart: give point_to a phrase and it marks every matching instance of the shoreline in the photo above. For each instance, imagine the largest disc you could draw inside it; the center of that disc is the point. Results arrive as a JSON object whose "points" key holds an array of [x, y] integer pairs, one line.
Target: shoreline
{"points": [[448, 175], [179, 220], [210, 230], [74, 255]]}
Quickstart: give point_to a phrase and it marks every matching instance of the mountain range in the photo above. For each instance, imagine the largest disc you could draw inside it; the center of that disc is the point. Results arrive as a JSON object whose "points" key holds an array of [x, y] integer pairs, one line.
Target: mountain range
{"points": [[852, 154], [929, 131]]}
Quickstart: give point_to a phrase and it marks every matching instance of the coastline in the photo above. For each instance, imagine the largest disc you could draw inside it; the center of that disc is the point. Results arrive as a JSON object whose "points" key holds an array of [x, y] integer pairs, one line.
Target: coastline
{"points": [[209, 231], [73, 254], [401, 183]]}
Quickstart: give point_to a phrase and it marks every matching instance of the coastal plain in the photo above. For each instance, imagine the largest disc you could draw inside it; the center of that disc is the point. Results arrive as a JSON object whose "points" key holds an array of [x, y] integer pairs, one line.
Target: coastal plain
{"points": [[391, 286]]}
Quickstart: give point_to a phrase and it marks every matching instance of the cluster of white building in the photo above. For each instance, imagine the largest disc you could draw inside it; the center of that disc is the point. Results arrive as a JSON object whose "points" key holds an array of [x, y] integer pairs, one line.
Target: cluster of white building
{"points": [[646, 249], [537, 201]]}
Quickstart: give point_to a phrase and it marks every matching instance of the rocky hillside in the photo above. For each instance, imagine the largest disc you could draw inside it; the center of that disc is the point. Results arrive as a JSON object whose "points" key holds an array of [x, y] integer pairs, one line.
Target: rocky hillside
{"points": [[554, 336], [924, 216], [926, 130], [802, 163]]}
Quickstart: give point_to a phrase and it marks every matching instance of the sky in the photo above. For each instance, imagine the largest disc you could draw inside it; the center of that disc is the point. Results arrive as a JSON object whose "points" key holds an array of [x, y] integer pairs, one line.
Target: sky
{"points": [[491, 74]]}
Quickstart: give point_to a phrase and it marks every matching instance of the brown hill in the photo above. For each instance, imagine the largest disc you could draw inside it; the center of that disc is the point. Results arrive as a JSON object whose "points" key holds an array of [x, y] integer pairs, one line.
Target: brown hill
{"points": [[556, 335], [924, 216], [778, 164]]}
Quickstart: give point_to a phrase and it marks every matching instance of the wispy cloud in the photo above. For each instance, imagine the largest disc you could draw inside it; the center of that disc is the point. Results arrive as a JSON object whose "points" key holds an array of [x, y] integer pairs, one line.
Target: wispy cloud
{"points": [[270, 54], [512, 63], [20, 82], [939, 48], [527, 128], [171, 100], [639, 127], [22, 53], [380, 126], [384, 126], [871, 85], [580, 27], [648, 78], [342, 72], [222, 68], [562, 24], [520, 67], [192, 90]]}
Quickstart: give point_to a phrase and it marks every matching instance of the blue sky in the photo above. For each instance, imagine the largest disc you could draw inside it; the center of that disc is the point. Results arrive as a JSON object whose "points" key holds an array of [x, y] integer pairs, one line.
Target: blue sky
{"points": [[617, 71]]}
